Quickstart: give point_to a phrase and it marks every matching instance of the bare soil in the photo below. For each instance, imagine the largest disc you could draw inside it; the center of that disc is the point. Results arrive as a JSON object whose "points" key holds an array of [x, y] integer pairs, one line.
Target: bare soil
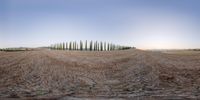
{"points": [[111, 75]]}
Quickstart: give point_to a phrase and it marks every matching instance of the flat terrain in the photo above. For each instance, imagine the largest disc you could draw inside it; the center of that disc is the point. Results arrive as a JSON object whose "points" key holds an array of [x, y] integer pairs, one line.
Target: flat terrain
{"points": [[113, 75]]}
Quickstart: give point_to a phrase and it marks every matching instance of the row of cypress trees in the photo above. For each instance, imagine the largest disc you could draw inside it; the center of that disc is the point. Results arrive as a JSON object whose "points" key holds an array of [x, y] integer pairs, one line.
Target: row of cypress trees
{"points": [[87, 46]]}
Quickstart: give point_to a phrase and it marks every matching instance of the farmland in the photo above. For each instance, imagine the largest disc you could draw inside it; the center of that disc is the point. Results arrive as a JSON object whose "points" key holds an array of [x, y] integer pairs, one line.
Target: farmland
{"points": [[119, 74]]}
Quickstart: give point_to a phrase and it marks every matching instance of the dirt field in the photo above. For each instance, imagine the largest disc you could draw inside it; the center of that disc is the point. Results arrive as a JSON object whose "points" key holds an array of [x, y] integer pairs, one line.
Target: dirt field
{"points": [[113, 75]]}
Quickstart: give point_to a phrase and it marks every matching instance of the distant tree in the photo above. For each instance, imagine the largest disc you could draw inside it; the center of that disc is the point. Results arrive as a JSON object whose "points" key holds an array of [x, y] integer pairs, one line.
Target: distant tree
{"points": [[101, 46], [81, 45], [94, 46], [108, 47], [104, 46], [59, 46], [98, 46], [75, 45], [90, 46], [86, 45], [66, 46], [111, 46], [63, 46], [70, 46]]}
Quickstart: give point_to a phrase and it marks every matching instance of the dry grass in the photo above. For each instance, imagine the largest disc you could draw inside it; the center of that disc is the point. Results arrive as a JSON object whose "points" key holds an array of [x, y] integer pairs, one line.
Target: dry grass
{"points": [[182, 52], [120, 75]]}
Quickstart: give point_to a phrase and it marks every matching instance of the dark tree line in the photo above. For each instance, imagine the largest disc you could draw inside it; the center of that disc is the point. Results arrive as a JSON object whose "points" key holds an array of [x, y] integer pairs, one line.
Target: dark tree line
{"points": [[88, 46]]}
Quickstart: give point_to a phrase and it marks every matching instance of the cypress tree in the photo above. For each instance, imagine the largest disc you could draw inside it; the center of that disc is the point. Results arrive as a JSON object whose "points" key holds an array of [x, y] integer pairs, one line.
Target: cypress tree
{"points": [[86, 45], [57, 46], [63, 46], [75, 45], [98, 46], [101, 46], [104, 46], [90, 45], [50, 47], [60, 46], [94, 46], [70, 46], [108, 47], [66, 46], [111, 46], [81, 45]]}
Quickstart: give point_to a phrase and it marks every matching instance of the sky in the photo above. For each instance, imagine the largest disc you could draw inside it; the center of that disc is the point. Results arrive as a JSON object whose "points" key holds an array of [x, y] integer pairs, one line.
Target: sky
{"points": [[145, 24]]}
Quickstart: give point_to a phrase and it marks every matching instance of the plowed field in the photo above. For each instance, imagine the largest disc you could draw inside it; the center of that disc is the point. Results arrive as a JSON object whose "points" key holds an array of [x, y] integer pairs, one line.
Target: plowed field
{"points": [[76, 75]]}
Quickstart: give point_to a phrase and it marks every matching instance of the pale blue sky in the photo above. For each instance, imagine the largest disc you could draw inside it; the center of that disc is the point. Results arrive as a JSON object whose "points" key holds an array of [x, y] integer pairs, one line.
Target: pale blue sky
{"points": [[146, 24]]}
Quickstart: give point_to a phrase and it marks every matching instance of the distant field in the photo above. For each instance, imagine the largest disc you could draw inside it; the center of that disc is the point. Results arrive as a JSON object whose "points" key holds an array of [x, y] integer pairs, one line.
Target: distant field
{"points": [[120, 75], [182, 52], [15, 49]]}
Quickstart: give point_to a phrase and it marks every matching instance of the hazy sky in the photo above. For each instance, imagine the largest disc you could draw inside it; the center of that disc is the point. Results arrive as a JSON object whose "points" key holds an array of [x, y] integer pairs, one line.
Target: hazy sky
{"points": [[146, 24]]}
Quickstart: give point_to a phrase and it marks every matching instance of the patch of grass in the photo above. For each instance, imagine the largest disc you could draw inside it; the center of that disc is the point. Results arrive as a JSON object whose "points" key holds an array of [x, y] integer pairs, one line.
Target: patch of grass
{"points": [[41, 92]]}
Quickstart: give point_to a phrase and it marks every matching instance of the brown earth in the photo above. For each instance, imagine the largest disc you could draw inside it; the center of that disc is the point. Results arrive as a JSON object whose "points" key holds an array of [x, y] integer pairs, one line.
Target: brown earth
{"points": [[111, 75]]}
